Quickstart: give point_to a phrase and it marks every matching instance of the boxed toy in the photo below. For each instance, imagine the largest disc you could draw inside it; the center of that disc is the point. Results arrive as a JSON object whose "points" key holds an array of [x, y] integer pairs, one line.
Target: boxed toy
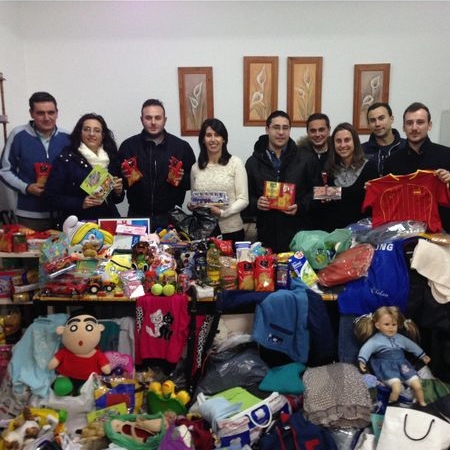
{"points": [[280, 195]]}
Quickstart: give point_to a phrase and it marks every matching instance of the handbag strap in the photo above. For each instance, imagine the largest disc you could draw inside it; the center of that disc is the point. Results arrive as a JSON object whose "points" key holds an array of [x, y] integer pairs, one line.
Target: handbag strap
{"points": [[416, 439]]}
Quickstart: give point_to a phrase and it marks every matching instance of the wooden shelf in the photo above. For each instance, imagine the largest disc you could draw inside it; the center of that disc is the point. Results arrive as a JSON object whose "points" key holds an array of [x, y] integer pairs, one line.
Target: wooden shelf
{"points": [[32, 254]]}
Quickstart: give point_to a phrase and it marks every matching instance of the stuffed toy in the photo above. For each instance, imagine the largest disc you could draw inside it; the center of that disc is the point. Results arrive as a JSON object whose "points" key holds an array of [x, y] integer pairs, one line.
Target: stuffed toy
{"points": [[82, 232], [23, 430], [80, 356]]}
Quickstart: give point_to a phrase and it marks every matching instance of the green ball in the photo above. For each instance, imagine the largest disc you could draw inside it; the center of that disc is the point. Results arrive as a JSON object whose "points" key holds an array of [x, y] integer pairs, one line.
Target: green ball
{"points": [[62, 386], [168, 290], [157, 289]]}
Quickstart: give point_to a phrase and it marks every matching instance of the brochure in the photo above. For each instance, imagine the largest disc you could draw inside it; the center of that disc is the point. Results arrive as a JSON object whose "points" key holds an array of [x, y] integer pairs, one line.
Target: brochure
{"points": [[99, 183], [327, 193]]}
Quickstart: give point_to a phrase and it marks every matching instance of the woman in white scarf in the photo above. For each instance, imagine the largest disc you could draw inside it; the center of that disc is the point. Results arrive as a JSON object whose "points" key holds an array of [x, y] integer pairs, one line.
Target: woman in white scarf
{"points": [[92, 145]]}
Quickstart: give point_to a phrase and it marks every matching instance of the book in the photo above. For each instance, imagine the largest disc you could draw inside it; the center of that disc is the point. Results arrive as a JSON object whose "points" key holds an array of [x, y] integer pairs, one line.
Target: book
{"points": [[280, 195], [327, 193], [209, 198], [99, 183]]}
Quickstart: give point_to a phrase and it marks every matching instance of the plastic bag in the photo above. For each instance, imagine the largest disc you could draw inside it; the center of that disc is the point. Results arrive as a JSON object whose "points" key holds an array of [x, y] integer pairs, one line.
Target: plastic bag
{"points": [[230, 368], [347, 266], [198, 225], [390, 231], [320, 247]]}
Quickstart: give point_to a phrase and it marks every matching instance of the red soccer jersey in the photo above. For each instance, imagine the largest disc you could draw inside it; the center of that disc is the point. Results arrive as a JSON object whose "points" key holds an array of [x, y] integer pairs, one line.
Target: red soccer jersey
{"points": [[415, 196]]}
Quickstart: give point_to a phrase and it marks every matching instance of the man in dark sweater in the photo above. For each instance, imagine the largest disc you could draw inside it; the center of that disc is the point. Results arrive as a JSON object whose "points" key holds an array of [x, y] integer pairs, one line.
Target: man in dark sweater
{"points": [[150, 153], [384, 140]]}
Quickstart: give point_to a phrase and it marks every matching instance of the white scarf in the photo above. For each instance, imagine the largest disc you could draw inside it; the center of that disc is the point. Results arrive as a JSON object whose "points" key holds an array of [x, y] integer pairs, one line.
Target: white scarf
{"points": [[100, 158]]}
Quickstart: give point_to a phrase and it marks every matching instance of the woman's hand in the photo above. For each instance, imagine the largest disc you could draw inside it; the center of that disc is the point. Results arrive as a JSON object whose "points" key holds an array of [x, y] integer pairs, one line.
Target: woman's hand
{"points": [[215, 211], [90, 201]]}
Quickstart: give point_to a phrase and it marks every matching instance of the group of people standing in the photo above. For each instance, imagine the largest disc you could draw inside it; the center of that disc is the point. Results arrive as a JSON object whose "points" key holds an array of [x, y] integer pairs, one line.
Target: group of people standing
{"points": [[46, 167]]}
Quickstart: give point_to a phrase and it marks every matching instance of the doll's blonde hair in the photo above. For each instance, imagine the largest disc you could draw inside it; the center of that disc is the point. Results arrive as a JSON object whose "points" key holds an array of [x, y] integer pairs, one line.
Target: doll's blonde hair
{"points": [[364, 326]]}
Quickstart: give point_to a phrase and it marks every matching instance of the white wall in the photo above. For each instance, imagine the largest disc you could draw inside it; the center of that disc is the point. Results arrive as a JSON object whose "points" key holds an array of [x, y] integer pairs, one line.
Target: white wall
{"points": [[108, 57]]}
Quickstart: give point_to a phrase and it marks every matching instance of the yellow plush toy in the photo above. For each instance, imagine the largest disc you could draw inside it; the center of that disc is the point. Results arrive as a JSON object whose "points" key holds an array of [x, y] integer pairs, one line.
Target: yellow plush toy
{"points": [[82, 232]]}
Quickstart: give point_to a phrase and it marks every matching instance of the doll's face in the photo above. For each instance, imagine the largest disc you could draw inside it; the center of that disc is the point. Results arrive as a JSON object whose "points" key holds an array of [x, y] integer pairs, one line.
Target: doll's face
{"points": [[387, 325], [82, 334]]}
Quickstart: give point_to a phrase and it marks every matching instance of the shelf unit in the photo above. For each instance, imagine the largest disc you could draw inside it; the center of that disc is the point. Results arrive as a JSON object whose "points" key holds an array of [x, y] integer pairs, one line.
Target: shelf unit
{"points": [[21, 255]]}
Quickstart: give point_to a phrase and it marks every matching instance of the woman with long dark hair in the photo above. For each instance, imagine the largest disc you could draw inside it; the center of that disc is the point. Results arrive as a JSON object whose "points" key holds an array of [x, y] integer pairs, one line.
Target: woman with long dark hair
{"points": [[348, 169], [217, 170]]}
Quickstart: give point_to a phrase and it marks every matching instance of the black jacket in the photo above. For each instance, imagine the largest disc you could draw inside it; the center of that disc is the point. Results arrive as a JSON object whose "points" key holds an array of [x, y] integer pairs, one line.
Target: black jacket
{"points": [[378, 153], [152, 194], [64, 193], [275, 228]]}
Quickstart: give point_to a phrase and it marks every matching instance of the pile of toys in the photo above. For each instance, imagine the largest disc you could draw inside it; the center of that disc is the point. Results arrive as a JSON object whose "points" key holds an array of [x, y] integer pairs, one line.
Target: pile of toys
{"points": [[87, 262]]}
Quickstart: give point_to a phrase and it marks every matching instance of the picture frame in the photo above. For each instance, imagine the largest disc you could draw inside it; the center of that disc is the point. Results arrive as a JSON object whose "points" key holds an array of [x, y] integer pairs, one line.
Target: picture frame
{"points": [[260, 88], [304, 88], [371, 85], [195, 85]]}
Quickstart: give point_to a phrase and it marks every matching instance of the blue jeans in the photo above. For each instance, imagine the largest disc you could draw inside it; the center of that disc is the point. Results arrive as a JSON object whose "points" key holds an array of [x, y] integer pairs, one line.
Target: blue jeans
{"points": [[348, 346]]}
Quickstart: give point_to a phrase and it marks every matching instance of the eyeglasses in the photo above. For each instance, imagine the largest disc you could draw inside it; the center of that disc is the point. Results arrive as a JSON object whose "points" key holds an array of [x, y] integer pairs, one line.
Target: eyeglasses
{"points": [[90, 130], [280, 128]]}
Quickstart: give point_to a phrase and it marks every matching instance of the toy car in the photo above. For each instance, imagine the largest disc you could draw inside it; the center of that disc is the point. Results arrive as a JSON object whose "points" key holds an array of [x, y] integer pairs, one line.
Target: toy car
{"points": [[72, 286], [96, 284]]}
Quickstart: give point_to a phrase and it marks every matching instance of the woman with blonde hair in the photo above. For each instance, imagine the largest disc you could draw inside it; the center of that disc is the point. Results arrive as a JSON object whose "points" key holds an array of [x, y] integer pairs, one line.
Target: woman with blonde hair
{"points": [[385, 348]]}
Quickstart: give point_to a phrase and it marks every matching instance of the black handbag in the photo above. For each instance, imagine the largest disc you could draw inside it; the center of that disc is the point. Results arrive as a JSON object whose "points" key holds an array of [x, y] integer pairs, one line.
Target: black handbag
{"points": [[201, 224]]}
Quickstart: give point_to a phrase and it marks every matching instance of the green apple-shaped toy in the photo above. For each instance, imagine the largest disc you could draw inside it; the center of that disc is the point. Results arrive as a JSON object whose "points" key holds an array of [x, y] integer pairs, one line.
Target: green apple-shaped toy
{"points": [[168, 290], [157, 289]]}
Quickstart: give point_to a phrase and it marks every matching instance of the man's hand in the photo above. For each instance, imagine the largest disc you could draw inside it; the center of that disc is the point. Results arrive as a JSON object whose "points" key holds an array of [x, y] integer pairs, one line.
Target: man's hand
{"points": [[291, 210], [35, 189], [444, 175], [263, 203]]}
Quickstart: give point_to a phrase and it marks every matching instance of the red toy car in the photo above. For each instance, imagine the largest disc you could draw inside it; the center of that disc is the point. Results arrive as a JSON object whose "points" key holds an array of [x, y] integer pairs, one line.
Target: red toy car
{"points": [[67, 286]]}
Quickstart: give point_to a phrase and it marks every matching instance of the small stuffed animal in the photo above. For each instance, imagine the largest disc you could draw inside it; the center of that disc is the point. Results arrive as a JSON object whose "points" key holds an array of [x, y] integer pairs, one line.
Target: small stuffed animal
{"points": [[80, 356], [25, 430]]}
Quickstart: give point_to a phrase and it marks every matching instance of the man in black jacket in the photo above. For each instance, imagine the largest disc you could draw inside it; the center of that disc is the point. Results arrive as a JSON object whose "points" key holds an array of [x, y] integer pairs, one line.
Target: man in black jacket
{"points": [[384, 140], [420, 153], [277, 158], [151, 192]]}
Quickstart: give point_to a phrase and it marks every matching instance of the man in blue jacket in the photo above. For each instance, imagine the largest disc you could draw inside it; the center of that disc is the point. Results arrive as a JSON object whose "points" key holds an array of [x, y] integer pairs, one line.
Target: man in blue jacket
{"points": [[27, 158], [384, 140], [152, 193]]}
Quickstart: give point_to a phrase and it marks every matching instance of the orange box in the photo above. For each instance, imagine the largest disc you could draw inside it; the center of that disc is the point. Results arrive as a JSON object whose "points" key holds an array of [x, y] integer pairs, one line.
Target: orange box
{"points": [[280, 195]]}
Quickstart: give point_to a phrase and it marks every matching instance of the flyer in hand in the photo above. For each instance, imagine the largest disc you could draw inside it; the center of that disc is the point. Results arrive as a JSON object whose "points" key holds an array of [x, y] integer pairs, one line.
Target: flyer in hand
{"points": [[99, 183], [280, 195], [209, 198], [327, 193]]}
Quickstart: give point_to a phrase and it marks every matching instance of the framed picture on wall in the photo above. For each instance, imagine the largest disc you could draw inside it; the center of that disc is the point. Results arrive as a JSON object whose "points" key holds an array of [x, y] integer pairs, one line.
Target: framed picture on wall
{"points": [[260, 88], [304, 88], [371, 85], [195, 85]]}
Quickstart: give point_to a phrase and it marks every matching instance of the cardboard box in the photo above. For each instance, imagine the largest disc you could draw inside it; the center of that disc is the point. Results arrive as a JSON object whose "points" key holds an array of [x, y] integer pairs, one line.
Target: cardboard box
{"points": [[281, 195]]}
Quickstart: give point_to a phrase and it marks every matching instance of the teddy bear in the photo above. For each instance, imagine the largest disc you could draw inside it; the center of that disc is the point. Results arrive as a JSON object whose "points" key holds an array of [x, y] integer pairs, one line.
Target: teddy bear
{"points": [[90, 248], [79, 356]]}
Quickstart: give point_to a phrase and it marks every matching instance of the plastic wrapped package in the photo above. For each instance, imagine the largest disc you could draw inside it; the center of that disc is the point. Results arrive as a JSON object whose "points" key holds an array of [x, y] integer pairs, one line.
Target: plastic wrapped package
{"points": [[391, 231], [238, 366]]}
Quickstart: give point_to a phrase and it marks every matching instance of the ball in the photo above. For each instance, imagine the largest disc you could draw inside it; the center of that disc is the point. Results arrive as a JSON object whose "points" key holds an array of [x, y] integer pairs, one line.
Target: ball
{"points": [[168, 290], [157, 289]]}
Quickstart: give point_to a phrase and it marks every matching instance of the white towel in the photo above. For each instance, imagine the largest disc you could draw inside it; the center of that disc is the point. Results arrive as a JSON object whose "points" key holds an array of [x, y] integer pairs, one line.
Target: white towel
{"points": [[433, 262]]}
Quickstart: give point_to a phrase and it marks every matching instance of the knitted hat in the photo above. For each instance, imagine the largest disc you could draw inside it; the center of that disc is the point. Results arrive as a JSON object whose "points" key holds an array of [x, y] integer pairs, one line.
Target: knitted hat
{"points": [[78, 232]]}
